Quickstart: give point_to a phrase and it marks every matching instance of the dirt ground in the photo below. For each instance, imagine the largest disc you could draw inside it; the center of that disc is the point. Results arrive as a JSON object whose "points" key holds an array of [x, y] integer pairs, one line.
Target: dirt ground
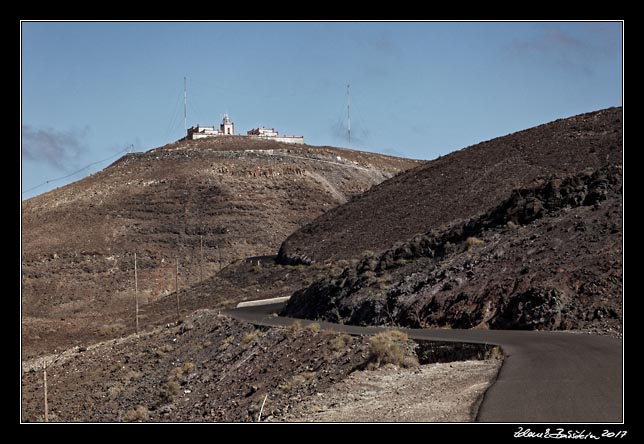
{"points": [[235, 197], [441, 392], [211, 368]]}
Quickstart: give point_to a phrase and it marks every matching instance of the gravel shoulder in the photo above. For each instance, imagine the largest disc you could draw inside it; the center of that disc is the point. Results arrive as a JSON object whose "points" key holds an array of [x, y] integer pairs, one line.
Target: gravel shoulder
{"points": [[442, 392]]}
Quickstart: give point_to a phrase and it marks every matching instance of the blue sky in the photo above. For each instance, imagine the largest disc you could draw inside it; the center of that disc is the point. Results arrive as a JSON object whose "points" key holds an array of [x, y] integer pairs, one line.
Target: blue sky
{"points": [[90, 90]]}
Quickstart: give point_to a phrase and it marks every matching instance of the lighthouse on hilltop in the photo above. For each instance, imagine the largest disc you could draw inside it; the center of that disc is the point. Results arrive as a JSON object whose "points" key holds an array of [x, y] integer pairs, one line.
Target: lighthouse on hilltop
{"points": [[227, 128]]}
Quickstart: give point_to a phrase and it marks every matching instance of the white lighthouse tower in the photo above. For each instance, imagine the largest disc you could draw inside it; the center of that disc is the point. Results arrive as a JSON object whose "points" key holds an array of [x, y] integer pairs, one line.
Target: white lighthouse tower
{"points": [[227, 127]]}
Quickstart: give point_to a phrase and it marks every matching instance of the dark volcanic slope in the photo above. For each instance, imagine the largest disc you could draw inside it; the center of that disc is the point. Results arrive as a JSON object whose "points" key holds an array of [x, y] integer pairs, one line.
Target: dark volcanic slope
{"points": [[243, 196], [548, 257], [458, 186], [208, 369]]}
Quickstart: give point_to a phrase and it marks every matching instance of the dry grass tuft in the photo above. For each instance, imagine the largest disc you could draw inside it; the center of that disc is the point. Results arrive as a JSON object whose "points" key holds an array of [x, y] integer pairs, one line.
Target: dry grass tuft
{"points": [[140, 413], [296, 381], [169, 390], [314, 327], [391, 347], [295, 327], [226, 343], [340, 342], [250, 337], [474, 242], [114, 390], [134, 375], [116, 329]]}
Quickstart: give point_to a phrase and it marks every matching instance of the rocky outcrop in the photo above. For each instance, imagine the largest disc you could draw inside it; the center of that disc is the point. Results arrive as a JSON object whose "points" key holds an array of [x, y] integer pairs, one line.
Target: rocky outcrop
{"points": [[548, 257]]}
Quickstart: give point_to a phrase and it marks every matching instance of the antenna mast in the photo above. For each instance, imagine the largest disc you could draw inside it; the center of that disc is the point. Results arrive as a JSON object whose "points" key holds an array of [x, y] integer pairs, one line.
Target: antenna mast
{"points": [[349, 112], [185, 98]]}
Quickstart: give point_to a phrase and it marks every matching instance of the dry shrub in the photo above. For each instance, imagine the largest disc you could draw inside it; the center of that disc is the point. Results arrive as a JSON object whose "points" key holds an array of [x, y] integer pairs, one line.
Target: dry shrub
{"points": [[296, 381], [187, 326], [169, 390], [250, 337], [474, 242], [226, 342], [140, 413], [176, 373], [340, 342], [391, 347], [134, 375], [295, 327], [114, 390], [496, 353], [292, 383], [111, 329], [314, 327]]}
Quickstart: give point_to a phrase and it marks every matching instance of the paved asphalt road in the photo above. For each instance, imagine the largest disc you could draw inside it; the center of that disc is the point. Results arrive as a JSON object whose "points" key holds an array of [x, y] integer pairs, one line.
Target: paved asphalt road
{"points": [[549, 377]]}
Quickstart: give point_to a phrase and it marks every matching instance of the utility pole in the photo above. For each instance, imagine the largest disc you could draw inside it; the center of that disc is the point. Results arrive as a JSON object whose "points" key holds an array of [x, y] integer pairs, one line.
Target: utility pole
{"points": [[201, 260], [136, 295], [349, 112], [176, 288], [185, 99], [44, 377]]}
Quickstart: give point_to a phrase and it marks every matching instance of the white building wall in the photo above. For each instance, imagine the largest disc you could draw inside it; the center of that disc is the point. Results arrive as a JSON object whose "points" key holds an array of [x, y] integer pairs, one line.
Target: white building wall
{"points": [[201, 132], [268, 132], [283, 139], [228, 129], [195, 136]]}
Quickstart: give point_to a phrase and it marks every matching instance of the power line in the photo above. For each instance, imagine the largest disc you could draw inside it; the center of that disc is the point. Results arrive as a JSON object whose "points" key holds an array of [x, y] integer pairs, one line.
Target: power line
{"points": [[349, 112], [76, 172], [174, 120]]}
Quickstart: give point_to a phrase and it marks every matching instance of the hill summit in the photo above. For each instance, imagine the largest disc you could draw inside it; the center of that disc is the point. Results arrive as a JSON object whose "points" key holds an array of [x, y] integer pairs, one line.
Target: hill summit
{"points": [[521, 232], [205, 203], [458, 186]]}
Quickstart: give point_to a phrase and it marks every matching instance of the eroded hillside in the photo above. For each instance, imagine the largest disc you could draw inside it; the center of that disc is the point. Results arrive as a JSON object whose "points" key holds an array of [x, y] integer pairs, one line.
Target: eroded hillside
{"points": [[236, 196], [548, 257], [211, 368], [458, 186]]}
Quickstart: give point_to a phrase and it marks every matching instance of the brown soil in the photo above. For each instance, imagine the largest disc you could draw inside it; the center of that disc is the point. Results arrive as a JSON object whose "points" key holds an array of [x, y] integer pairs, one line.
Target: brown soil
{"points": [[546, 256], [458, 186], [212, 368], [240, 281], [209, 368], [446, 392], [242, 197]]}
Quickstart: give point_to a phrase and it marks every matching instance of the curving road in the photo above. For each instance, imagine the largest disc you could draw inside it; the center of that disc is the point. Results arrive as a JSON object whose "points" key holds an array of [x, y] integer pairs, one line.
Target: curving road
{"points": [[549, 377]]}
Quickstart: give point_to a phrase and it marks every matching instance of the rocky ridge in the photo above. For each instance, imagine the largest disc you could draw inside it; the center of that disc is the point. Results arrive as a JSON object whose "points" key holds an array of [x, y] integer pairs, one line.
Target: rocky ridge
{"points": [[548, 257]]}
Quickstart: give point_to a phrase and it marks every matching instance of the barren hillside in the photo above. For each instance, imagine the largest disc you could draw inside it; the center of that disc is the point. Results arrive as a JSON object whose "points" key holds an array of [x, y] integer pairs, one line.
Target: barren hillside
{"points": [[237, 196], [549, 257], [458, 186], [213, 368]]}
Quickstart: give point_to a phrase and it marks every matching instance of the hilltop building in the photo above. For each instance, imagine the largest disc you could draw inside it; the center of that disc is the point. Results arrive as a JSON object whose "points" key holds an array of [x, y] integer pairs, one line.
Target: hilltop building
{"points": [[227, 128], [271, 134]]}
